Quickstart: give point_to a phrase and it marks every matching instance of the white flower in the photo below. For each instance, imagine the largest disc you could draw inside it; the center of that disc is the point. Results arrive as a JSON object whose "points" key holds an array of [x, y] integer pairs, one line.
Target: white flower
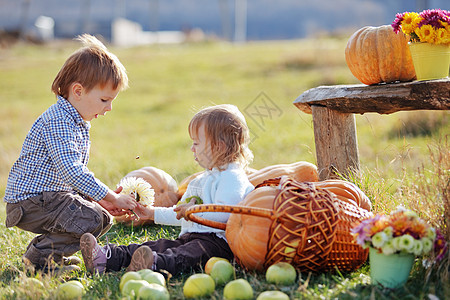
{"points": [[388, 231], [396, 243], [406, 242], [427, 244], [388, 248], [379, 239], [418, 247], [139, 188], [431, 233]]}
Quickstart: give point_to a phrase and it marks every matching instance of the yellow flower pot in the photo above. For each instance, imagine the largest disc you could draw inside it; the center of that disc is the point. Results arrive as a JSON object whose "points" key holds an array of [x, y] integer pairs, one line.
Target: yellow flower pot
{"points": [[430, 61]]}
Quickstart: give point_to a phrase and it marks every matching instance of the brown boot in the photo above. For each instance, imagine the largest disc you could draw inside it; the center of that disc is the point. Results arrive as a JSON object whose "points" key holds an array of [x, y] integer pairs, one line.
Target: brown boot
{"points": [[142, 259]]}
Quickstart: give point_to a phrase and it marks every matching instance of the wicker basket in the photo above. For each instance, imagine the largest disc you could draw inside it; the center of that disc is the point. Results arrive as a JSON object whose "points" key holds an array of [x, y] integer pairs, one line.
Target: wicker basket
{"points": [[310, 227]]}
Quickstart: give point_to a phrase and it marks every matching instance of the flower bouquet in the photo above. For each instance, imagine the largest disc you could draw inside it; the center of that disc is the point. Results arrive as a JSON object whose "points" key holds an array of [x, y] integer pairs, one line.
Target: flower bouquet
{"points": [[396, 239], [429, 26], [429, 33]]}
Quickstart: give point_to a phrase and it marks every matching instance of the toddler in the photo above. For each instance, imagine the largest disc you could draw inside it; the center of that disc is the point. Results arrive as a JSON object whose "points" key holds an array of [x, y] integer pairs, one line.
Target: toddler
{"points": [[220, 145]]}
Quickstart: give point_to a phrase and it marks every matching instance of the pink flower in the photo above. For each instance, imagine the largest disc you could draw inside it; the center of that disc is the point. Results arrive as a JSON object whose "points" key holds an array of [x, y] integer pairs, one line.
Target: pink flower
{"points": [[433, 17], [397, 22], [363, 231], [440, 246]]}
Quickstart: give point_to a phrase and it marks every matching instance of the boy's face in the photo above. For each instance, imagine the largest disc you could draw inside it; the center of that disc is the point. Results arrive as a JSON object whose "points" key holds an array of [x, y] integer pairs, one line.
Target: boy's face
{"points": [[202, 148], [91, 104]]}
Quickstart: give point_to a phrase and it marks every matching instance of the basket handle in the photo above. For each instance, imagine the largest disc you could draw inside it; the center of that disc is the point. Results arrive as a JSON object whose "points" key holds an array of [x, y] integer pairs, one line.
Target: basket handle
{"points": [[235, 209]]}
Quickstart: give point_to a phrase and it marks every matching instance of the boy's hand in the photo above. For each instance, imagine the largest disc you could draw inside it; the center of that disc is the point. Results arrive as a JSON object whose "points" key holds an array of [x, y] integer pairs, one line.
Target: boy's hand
{"points": [[181, 209], [111, 208], [119, 201]]}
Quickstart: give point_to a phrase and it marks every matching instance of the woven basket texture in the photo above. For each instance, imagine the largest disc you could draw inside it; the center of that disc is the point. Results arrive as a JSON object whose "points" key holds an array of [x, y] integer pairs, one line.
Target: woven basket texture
{"points": [[311, 229], [310, 226]]}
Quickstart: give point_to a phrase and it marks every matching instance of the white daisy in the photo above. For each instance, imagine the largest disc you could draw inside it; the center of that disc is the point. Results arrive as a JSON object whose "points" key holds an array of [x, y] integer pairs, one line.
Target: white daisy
{"points": [[141, 189]]}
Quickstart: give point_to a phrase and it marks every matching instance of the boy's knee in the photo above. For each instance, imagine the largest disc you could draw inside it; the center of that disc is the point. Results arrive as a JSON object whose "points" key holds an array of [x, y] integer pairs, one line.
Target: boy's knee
{"points": [[102, 221]]}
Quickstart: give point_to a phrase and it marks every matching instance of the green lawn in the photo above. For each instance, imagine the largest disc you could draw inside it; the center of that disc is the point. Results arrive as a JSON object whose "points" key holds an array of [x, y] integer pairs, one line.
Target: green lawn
{"points": [[167, 85]]}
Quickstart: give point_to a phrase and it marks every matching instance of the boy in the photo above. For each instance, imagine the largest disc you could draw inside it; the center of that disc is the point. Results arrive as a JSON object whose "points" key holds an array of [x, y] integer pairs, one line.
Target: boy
{"points": [[50, 191]]}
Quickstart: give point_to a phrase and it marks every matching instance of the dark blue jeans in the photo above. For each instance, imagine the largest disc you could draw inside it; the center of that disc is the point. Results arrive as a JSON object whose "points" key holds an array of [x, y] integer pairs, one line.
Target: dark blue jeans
{"points": [[189, 252]]}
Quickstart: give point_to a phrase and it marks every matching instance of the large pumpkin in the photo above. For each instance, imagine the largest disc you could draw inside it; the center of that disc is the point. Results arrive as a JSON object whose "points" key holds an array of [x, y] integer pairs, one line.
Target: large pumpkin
{"points": [[377, 54], [247, 235]]}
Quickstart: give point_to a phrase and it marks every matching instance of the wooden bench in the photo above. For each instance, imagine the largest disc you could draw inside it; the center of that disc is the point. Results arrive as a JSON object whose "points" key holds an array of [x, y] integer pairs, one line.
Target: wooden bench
{"points": [[333, 109]]}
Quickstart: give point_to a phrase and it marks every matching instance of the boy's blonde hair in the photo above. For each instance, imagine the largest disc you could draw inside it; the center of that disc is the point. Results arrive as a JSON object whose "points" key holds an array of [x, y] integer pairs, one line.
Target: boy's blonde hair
{"points": [[90, 66], [227, 132]]}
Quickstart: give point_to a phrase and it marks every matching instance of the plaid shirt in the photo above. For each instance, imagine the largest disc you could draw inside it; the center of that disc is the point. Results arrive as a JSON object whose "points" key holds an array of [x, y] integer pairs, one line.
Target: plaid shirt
{"points": [[54, 157]]}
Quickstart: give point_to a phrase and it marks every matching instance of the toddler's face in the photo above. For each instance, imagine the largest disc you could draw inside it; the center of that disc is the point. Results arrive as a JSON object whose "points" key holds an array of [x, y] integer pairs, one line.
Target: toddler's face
{"points": [[95, 102], [202, 148]]}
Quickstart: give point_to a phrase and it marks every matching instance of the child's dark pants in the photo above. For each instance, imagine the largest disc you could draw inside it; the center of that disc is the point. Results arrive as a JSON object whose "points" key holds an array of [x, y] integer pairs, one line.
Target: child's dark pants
{"points": [[60, 219], [184, 254]]}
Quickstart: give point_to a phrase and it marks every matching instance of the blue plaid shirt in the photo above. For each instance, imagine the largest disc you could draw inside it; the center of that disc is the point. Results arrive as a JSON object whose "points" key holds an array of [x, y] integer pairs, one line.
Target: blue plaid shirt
{"points": [[54, 157]]}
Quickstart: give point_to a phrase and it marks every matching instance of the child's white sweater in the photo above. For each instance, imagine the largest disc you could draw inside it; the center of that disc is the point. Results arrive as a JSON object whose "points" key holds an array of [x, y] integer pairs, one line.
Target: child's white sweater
{"points": [[228, 187]]}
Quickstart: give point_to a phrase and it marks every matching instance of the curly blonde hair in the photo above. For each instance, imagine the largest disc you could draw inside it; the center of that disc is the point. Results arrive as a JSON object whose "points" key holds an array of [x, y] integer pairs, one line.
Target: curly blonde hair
{"points": [[224, 125]]}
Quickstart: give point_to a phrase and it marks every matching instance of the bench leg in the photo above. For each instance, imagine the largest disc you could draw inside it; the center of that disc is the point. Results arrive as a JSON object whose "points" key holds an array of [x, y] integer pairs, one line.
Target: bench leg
{"points": [[336, 144]]}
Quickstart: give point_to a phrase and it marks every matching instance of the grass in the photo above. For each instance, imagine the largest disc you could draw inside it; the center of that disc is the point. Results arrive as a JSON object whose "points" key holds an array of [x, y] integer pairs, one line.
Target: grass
{"points": [[400, 163]]}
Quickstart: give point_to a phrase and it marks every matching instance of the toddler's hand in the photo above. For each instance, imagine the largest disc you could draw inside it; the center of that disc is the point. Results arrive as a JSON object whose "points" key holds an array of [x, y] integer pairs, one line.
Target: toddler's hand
{"points": [[144, 213], [182, 208]]}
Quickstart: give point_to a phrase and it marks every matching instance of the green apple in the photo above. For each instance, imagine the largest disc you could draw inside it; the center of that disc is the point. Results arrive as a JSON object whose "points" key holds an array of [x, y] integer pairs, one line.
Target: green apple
{"points": [[131, 287], [210, 263], [222, 272], [281, 273], [238, 289], [153, 291], [198, 285], [128, 276], [155, 277], [272, 295], [144, 272], [70, 290]]}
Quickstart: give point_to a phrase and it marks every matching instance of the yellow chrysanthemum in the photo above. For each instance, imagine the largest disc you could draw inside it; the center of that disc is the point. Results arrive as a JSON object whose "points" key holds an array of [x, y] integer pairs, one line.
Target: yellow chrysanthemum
{"points": [[141, 189], [410, 22], [426, 34], [443, 35]]}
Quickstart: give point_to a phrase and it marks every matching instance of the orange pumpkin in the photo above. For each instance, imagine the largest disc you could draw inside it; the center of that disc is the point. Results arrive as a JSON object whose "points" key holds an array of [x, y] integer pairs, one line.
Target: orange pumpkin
{"points": [[346, 191], [377, 54], [182, 187], [299, 171], [248, 235]]}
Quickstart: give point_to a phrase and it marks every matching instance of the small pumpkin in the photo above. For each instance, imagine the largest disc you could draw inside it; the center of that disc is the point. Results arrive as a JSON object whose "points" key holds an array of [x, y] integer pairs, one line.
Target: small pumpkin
{"points": [[377, 54], [299, 171], [163, 184], [346, 191], [182, 187]]}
